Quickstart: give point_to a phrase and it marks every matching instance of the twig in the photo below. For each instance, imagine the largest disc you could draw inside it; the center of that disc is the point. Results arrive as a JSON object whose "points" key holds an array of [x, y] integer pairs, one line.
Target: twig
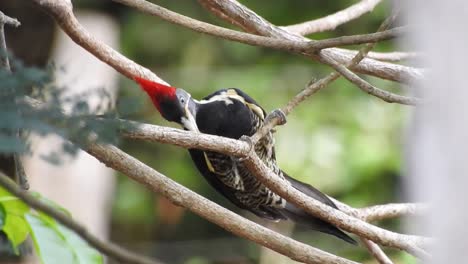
{"points": [[62, 12], [381, 212], [107, 248], [394, 56], [251, 22], [376, 251], [369, 88], [357, 39], [330, 22], [209, 6], [4, 19], [20, 174], [315, 86]]}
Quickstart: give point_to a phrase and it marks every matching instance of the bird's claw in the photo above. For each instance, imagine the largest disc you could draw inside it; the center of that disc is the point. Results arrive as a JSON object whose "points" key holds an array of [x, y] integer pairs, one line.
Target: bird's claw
{"points": [[249, 141], [279, 115]]}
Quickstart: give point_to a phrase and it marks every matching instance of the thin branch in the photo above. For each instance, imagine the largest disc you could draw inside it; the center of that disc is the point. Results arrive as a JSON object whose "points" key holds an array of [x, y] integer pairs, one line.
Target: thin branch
{"points": [[369, 88], [313, 87], [20, 174], [361, 83], [5, 20], [394, 56], [330, 22], [253, 23], [357, 39], [62, 12], [376, 251], [209, 6], [381, 212], [112, 250]]}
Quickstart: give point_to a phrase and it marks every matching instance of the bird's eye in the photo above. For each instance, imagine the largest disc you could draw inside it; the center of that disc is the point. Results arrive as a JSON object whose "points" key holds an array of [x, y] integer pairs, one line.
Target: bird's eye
{"points": [[182, 100]]}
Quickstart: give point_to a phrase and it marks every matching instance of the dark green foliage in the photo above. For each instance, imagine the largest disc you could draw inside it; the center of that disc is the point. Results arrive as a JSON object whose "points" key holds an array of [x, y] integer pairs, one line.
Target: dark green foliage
{"points": [[53, 242], [80, 124]]}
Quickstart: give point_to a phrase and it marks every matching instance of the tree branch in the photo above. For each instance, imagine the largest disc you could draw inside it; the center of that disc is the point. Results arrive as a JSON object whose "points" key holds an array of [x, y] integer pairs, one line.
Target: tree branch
{"points": [[394, 56], [381, 212], [20, 174], [357, 39], [369, 88], [240, 148], [62, 12], [330, 22], [251, 22], [179, 195], [273, 120], [4, 19], [376, 251], [112, 250]]}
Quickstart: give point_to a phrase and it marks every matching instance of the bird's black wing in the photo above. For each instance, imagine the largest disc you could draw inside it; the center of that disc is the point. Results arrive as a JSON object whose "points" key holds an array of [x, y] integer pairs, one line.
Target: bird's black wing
{"points": [[229, 113]]}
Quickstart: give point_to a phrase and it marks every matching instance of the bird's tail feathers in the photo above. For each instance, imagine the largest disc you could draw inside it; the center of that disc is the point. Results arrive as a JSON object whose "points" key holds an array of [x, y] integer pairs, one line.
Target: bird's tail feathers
{"points": [[301, 217]]}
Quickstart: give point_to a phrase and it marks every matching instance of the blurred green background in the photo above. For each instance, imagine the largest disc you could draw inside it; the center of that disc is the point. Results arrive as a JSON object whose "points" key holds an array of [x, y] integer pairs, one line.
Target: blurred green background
{"points": [[342, 141]]}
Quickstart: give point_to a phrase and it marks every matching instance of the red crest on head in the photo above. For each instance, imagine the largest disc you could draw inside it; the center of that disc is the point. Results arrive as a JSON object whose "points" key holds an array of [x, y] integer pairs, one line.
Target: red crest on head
{"points": [[156, 91]]}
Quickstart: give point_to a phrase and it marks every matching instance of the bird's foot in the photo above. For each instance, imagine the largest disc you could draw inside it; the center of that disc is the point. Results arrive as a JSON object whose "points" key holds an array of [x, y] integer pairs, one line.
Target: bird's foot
{"points": [[249, 141], [277, 114]]}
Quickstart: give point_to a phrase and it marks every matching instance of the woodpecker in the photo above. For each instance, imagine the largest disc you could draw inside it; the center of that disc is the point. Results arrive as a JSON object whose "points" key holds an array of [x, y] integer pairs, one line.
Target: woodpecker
{"points": [[232, 113]]}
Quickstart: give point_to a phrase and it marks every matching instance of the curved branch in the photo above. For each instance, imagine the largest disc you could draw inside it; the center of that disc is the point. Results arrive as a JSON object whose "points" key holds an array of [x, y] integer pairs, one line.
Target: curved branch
{"points": [[410, 243], [251, 22], [357, 39], [112, 250], [394, 56], [369, 88], [330, 22], [62, 12], [179, 195], [377, 252], [381, 212], [238, 148]]}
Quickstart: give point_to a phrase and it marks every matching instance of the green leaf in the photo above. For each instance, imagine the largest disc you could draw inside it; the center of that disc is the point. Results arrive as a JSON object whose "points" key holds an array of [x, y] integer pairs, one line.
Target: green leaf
{"points": [[12, 204], [56, 244], [16, 229], [2, 216], [13, 224]]}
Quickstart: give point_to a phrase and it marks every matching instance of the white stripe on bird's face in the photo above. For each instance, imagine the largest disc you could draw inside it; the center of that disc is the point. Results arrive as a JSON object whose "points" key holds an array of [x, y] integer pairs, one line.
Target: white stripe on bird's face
{"points": [[188, 121]]}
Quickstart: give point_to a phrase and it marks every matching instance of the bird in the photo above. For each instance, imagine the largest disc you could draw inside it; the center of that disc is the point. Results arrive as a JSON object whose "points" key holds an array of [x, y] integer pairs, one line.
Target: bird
{"points": [[233, 114]]}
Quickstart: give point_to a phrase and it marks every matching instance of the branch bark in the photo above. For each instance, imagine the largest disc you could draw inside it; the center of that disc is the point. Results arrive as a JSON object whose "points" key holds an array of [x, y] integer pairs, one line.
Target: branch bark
{"points": [[118, 160], [186, 139], [62, 12], [179, 195], [251, 22], [330, 22], [112, 156]]}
